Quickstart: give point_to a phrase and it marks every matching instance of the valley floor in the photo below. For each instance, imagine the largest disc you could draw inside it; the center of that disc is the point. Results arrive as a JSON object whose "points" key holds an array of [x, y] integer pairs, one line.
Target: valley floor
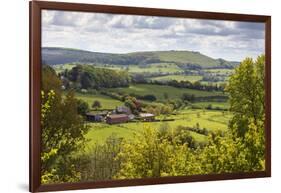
{"points": [[210, 119]]}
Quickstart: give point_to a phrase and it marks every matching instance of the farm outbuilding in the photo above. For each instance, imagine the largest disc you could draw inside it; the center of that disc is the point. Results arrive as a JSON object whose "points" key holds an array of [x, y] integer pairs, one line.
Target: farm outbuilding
{"points": [[147, 116], [123, 110], [117, 118], [96, 117]]}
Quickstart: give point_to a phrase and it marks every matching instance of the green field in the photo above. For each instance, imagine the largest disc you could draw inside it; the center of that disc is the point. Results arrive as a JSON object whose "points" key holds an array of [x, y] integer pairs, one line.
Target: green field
{"points": [[159, 90], [166, 68], [211, 120], [184, 57], [223, 105], [106, 102], [220, 71], [189, 78], [61, 67]]}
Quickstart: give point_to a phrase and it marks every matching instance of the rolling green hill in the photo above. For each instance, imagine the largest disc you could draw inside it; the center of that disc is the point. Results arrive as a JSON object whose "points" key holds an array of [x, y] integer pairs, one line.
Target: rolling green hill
{"points": [[184, 59]]}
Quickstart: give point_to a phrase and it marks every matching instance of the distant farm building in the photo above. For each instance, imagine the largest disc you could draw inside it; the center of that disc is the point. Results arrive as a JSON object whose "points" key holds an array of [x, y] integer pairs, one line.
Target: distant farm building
{"points": [[146, 117], [131, 116], [117, 118], [123, 110], [96, 117]]}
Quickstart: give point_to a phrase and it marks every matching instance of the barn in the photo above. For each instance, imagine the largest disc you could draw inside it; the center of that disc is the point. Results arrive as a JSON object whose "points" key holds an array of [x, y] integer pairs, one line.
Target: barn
{"points": [[117, 118]]}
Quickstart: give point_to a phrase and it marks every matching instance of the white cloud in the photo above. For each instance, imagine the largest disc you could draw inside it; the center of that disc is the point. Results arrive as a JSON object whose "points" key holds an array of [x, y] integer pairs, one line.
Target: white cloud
{"points": [[127, 33]]}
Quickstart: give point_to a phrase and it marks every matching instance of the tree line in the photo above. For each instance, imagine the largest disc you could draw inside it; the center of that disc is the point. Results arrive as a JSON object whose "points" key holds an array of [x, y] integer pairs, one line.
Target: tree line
{"points": [[90, 77]]}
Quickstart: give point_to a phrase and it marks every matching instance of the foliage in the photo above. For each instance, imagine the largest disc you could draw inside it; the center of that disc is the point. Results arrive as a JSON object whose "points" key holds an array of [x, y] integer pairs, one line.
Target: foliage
{"points": [[223, 155], [246, 90], [188, 97], [88, 76], [246, 95], [82, 107], [100, 163], [155, 153], [145, 157], [96, 104], [62, 133], [133, 104], [50, 81], [158, 109]]}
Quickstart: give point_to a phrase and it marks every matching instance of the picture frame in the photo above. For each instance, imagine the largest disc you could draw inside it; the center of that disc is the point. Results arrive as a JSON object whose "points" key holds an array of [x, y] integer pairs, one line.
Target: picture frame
{"points": [[36, 7]]}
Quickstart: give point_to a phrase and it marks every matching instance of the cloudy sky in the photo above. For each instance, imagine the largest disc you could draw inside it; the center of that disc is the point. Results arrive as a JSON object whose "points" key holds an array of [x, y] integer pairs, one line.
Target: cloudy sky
{"points": [[125, 33]]}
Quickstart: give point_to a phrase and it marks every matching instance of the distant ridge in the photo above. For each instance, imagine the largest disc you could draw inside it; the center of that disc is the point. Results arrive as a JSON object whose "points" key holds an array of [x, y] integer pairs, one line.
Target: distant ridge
{"points": [[57, 55]]}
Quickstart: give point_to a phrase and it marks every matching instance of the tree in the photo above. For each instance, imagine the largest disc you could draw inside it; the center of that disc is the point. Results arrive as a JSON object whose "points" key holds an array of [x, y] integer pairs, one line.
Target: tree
{"points": [[63, 132], [246, 95], [149, 97], [133, 104], [155, 153], [86, 81], [96, 104], [101, 163], [50, 81], [222, 154], [188, 97], [88, 76], [82, 107]]}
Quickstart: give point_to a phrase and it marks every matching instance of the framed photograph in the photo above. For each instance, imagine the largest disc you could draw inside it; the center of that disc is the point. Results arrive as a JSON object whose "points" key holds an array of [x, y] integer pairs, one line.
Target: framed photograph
{"points": [[125, 96]]}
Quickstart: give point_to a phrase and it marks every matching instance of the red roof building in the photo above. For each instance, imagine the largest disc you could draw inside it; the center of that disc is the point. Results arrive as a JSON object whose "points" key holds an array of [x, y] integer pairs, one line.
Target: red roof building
{"points": [[117, 118]]}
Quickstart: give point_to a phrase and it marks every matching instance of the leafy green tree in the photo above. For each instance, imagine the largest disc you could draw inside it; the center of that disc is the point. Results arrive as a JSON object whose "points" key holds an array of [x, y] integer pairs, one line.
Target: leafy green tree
{"points": [[88, 76], [50, 81], [96, 104], [86, 80], [246, 95], [101, 162], [246, 92], [82, 107], [62, 132], [222, 154], [144, 157], [155, 153], [133, 104]]}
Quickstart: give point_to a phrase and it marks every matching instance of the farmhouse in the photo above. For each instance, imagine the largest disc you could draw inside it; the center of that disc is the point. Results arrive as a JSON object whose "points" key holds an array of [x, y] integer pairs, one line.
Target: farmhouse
{"points": [[117, 118], [96, 117], [123, 110], [147, 116]]}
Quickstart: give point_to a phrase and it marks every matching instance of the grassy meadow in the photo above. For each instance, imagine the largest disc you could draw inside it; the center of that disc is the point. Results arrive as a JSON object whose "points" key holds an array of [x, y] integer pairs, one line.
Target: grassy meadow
{"points": [[160, 90], [212, 120], [190, 78]]}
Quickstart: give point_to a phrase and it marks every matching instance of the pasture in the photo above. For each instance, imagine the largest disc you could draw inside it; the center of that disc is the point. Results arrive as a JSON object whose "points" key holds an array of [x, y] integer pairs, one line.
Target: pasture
{"points": [[190, 78], [159, 68], [222, 105], [61, 67], [106, 102], [210, 119], [160, 90]]}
